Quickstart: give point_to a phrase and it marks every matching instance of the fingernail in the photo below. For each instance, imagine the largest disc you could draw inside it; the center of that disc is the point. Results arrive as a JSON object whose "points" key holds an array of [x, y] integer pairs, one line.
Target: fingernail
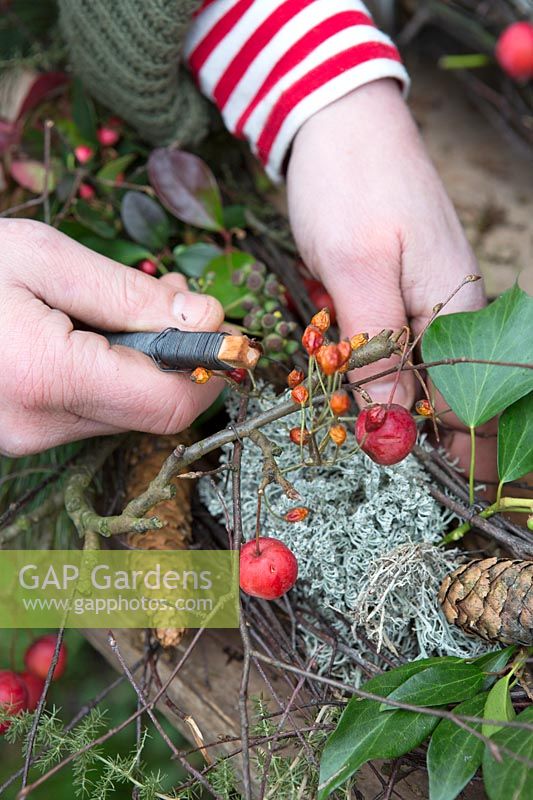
{"points": [[191, 309]]}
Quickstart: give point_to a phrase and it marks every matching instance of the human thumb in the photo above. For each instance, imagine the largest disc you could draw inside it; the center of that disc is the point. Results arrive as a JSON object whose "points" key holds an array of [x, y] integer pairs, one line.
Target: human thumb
{"points": [[367, 301]]}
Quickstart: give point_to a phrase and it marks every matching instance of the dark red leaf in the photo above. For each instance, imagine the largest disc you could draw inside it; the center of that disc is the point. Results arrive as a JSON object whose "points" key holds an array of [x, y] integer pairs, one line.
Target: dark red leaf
{"points": [[186, 187], [40, 88]]}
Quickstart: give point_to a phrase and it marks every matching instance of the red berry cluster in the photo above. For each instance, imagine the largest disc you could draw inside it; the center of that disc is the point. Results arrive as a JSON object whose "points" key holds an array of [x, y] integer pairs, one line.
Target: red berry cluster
{"points": [[21, 691]]}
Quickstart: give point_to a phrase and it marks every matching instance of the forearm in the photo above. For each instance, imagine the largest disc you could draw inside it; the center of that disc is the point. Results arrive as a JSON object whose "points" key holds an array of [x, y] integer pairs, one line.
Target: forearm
{"points": [[270, 65]]}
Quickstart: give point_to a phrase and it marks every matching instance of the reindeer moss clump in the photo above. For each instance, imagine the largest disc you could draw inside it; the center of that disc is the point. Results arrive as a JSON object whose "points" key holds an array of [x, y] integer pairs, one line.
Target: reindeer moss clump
{"points": [[368, 555]]}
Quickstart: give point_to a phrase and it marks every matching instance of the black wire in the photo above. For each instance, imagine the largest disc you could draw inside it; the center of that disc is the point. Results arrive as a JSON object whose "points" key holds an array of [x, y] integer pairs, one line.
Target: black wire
{"points": [[173, 349]]}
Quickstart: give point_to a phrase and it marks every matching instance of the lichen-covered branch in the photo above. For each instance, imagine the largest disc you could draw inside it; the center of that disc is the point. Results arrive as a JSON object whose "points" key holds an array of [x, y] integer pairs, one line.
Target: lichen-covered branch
{"points": [[271, 471], [79, 508]]}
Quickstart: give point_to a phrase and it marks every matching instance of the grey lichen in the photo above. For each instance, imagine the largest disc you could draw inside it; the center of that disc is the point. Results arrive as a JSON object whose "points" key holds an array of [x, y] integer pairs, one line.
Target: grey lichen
{"points": [[368, 555]]}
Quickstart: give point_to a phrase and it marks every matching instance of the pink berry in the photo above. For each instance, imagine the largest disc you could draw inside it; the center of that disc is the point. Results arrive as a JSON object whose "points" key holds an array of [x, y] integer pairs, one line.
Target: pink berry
{"points": [[86, 191], [148, 266], [34, 687], [83, 153], [107, 136], [270, 572], [39, 655], [13, 695], [386, 435], [514, 51]]}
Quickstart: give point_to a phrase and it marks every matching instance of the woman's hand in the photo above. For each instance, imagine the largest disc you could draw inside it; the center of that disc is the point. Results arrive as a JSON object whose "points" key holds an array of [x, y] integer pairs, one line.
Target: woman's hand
{"points": [[373, 221], [60, 384]]}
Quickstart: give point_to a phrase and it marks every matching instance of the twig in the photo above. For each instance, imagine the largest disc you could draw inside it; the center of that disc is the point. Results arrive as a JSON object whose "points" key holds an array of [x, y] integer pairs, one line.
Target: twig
{"points": [[149, 710], [245, 677], [81, 511], [25, 522], [39, 710], [113, 731]]}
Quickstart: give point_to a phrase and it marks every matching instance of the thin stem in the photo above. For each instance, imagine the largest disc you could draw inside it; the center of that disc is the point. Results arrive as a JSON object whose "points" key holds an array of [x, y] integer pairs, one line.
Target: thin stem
{"points": [[258, 522], [499, 492], [472, 464]]}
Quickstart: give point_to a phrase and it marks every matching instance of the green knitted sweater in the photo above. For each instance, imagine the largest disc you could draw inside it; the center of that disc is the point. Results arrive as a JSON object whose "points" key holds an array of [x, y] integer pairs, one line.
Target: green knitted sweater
{"points": [[127, 53]]}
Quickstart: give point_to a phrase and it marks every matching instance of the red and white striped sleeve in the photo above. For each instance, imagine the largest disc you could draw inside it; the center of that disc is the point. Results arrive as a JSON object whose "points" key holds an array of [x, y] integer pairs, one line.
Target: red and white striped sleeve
{"points": [[269, 65]]}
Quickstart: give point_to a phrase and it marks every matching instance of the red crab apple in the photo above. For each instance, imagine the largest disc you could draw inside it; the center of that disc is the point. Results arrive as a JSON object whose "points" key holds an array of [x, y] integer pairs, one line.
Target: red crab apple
{"points": [[34, 687], [386, 435], [268, 568], [13, 695], [39, 655], [514, 51]]}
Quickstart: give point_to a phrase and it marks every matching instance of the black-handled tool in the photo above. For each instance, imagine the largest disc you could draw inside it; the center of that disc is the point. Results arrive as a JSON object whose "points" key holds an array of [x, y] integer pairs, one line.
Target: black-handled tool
{"points": [[174, 350]]}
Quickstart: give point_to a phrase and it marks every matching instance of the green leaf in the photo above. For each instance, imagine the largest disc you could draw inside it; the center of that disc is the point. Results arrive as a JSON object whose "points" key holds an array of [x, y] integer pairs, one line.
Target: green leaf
{"points": [[234, 217], [440, 685], [83, 112], [186, 187], [365, 732], [120, 250], [31, 175], [454, 755], [144, 220], [218, 281], [192, 259], [93, 220], [499, 332], [498, 705], [111, 170], [515, 440], [493, 663], [510, 779]]}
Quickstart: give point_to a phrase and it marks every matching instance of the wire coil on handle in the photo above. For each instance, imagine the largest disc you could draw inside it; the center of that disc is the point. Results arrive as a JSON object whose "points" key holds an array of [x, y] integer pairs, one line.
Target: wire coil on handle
{"points": [[173, 350]]}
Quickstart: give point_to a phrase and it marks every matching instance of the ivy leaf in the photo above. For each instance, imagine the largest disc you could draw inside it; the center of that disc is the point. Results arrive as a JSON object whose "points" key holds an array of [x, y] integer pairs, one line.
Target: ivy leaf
{"points": [[498, 705], [218, 281], [510, 779], [454, 754], [477, 392], [120, 250], [365, 732], [515, 440], [144, 220], [31, 175], [439, 685], [192, 259], [186, 187]]}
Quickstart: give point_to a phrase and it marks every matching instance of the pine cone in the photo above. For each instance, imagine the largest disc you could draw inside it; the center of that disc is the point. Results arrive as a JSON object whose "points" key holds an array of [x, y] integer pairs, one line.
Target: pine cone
{"points": [[492, 598], [143, 464]]}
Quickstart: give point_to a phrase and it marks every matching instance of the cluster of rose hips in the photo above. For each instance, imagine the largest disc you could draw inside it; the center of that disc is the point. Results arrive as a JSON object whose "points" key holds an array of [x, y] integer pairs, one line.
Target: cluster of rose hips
{"points": [[514, 51], [386, 432], [21, 691]]}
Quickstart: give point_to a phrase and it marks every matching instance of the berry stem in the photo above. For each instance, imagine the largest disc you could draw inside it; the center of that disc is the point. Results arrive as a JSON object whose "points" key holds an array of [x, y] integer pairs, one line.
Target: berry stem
{"points": [[258, 522]]}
